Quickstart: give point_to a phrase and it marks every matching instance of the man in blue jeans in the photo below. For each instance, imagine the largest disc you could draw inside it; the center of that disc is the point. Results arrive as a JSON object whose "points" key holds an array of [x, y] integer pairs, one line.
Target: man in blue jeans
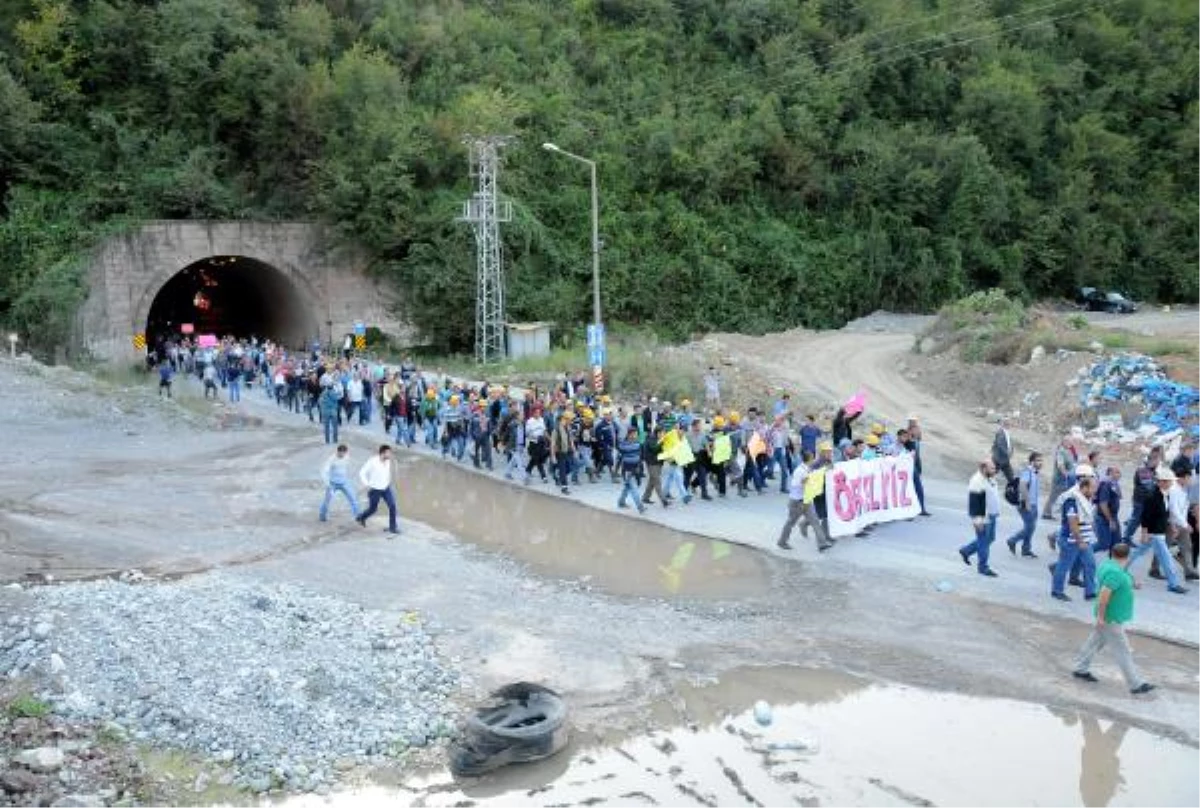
{"points": [[983, 506], [328, 404], [1108, 510], [1027, 505], [1077, 536], [376, 475], [1143, 486], [336, 476], [233, 375], [1156, 516]]}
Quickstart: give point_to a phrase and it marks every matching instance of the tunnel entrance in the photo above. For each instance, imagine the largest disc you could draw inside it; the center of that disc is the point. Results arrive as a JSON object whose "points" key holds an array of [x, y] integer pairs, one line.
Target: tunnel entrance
{"points": [[231, 295]]}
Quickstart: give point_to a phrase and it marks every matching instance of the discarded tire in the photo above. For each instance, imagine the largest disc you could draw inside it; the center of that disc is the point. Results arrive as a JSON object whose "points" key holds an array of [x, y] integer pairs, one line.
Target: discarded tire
{"points": [[522, 722]]}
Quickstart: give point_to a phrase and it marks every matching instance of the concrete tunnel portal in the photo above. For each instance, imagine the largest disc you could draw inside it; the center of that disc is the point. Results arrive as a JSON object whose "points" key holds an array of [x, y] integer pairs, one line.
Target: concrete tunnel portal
{"points": [[232, 295]]}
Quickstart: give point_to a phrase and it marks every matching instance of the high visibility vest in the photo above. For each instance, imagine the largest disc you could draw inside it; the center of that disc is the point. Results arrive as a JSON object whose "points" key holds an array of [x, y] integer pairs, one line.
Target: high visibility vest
{"points": [[722, 449], [667, 445], [814, 485]]}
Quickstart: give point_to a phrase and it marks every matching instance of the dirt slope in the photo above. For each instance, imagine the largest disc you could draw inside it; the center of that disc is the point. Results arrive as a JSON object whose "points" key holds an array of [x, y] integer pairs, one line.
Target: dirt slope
{"points": [[833, 365]]}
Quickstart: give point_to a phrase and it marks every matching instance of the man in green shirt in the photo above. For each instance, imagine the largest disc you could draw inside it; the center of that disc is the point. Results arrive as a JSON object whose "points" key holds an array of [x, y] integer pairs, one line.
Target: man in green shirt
{"points": [[1114, 608]]}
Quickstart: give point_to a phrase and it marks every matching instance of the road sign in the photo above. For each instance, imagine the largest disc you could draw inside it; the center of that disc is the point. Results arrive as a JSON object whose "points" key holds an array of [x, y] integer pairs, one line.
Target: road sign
{"points": [[598, 356], [360, 343], [139, 342], [360, 329], [595, 335], [597, 379], [187, 328]]}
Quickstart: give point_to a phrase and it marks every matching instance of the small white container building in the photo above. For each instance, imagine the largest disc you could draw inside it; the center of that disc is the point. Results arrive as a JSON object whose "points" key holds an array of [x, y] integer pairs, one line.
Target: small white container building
{"points": [[528, 339]]}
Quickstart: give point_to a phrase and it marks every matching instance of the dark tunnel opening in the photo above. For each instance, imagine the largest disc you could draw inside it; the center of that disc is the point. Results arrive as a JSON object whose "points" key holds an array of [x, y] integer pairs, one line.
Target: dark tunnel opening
{"points": [[231, 295]]}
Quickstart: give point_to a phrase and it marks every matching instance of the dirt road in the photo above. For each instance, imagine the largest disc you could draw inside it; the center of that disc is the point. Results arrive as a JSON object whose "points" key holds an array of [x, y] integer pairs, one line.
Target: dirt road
{"points": [[832, 366]]}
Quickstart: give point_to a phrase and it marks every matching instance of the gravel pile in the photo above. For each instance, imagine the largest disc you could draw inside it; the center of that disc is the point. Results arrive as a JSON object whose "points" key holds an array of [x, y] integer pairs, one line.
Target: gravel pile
{"points": [[286, 687]]}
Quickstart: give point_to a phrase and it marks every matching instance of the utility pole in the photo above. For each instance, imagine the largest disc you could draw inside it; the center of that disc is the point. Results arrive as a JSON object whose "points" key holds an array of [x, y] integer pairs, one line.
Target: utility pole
{"points": [[484, 212]]}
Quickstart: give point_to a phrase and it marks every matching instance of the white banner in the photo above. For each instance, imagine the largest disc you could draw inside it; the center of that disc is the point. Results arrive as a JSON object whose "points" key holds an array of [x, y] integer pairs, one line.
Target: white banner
{"points": [[865, 492]]}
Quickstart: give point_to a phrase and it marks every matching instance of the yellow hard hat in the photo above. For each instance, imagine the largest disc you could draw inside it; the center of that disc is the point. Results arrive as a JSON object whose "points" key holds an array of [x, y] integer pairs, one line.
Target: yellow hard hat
{"points": [[566, 416], [718, 422], [605, 400], [735, 417], [430, 394], [588, 413], [872, 440], [685, 403], [877, 429], [453, 399], [825, 446]]}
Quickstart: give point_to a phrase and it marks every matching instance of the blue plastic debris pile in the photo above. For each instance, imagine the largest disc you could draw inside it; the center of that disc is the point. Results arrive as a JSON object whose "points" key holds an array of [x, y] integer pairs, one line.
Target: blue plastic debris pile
{"points": [[1134, 379]]}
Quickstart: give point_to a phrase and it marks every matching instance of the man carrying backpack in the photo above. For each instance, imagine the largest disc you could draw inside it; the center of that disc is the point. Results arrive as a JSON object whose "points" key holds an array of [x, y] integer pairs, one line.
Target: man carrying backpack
{"points": [[1027, 494]]}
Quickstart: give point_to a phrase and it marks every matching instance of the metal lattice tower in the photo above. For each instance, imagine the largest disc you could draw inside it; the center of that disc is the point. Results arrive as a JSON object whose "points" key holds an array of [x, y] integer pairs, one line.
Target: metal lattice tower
{"points": [[484, 212]]}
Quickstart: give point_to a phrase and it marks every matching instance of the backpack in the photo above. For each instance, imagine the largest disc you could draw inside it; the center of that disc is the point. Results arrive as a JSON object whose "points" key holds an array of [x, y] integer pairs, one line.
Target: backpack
{"points": [[1012, 491]]}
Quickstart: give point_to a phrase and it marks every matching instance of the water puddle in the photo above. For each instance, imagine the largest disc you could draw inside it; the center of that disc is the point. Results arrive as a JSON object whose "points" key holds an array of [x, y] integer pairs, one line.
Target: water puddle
{"points": [[837, 740], [557, 537]]}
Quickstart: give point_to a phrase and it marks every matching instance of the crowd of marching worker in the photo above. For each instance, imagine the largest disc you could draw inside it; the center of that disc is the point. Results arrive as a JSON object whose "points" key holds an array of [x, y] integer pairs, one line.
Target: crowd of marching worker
{"points": [[670, 453], [658, 451], [1085, 498]]}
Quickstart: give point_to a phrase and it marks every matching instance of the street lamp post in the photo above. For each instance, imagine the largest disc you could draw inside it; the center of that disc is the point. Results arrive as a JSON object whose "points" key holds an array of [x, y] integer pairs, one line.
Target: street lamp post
{"points": [[591, 164]]}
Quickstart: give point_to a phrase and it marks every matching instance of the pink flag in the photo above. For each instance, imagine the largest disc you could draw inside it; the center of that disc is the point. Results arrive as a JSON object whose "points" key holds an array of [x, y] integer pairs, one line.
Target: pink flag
{"points": [[856, 404]]}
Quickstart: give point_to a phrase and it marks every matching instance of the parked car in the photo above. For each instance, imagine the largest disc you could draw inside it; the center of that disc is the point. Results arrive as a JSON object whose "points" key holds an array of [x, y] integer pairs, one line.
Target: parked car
{"points": [[1083, 295], [1112, 302]]}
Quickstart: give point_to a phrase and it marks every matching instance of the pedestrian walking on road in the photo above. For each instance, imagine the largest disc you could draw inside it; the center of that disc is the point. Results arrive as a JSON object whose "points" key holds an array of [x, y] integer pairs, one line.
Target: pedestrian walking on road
{"points": [[630, 451], [1108, 510], [1077, 536], [912, 444], [1063, 475], [165, 374], [336, 475], [1143, 487], [1156, 519], [329, 404], [654, 467], [798, 508], [983, 506], [1179, 531], [1002, 450], [1029, 485], [1114, 608], [376, 475]]}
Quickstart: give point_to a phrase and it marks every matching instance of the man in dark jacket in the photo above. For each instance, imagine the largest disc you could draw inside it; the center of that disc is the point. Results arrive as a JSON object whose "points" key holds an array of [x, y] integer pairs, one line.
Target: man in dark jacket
{"points": [[1154, 520], [1002, 450], [1143, 486]]}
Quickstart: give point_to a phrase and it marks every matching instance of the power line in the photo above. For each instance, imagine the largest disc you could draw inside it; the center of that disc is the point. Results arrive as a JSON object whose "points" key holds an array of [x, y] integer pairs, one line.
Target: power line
{"points": [[706, 90], [798, 62]]}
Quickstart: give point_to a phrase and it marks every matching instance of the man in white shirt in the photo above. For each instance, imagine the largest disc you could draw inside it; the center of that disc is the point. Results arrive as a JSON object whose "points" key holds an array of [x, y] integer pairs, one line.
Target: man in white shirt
{"points": [[1179, 531], [376, 475], [795, 491]]}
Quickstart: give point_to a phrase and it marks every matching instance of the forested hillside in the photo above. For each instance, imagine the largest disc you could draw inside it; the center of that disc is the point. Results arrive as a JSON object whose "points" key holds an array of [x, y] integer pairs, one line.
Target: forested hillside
{"points": [[763, 163]]}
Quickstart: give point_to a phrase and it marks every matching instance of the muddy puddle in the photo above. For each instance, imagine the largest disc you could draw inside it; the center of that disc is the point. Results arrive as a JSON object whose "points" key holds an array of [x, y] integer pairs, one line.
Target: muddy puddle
{"points": [[836, 740], [559, 538]]}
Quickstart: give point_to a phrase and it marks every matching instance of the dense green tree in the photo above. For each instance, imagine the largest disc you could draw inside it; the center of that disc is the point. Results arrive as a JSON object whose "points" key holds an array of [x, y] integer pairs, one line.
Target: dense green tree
{"points": [[762, 163]]}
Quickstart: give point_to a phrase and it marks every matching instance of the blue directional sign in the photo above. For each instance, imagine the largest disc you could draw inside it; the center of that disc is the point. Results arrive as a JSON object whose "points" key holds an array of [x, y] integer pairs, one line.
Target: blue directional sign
{"points": [[360, 329], [597, 357], [595, 336]]}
